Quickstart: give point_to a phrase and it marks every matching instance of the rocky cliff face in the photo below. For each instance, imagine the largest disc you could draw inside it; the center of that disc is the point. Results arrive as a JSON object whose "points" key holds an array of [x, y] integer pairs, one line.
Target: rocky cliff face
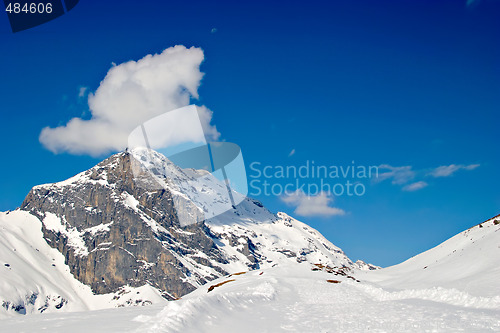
{"points": [[114, 231]]}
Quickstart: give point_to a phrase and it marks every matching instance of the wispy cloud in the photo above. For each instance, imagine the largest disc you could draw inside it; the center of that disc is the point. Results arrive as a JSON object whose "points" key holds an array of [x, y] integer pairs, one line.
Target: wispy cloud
{"points": [[411, 179], [448, 170], [415, 186], [292, 153], [306, 205], [399, 175]]}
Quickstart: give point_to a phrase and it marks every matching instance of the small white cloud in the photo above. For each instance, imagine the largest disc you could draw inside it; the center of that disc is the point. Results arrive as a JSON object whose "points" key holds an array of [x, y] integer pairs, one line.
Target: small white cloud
{"points": [[130, 94], [448, 170], [292, 153], [472, 166], [399, 175], [307, 205], [82, 91], [415, 186]]}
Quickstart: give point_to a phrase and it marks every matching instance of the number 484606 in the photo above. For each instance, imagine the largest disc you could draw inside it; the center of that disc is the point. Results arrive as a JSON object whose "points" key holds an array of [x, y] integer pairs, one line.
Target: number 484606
{"points": [[31, 8]]}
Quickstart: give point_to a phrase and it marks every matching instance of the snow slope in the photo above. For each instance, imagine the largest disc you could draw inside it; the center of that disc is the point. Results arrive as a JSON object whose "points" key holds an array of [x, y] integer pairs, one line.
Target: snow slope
{"points": [[457, 292], [454, 287], [469, 261], [297, 297], [34, 277]]}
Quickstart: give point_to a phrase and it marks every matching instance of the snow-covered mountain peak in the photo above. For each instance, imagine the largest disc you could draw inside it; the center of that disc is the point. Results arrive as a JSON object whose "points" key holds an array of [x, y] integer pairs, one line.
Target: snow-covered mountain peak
{"points": [[201, 190], [118, 225]]}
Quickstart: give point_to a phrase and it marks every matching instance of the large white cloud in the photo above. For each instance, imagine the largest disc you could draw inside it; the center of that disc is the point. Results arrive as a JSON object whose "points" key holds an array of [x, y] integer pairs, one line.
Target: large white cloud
{"points": [[130, 94]]}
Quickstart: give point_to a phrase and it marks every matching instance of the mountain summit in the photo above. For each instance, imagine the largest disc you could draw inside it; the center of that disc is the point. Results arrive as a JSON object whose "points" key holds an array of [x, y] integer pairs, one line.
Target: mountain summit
{"points": [[118, 232]]}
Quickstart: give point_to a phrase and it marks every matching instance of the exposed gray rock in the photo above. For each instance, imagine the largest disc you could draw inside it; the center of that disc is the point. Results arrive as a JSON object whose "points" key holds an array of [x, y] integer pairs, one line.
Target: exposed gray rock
{"points": [[130, 251]]}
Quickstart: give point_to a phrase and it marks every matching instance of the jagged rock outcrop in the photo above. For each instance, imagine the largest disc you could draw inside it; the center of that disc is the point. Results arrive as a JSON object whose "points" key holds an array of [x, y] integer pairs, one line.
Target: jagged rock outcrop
{"points": [[108, 234]]}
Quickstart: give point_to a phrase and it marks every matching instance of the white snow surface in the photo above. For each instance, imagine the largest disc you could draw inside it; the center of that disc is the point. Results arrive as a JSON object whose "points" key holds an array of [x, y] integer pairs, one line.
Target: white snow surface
{"points": [[468, 261], [291, 297], [201, 189], [288, 298]]}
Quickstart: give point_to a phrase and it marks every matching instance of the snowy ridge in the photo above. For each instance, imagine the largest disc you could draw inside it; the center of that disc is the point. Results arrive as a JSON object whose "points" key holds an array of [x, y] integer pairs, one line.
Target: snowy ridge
{"points": [[246, 232], [199, 189], [277, 239], [437, 294], [178, 315], [468, 261]]}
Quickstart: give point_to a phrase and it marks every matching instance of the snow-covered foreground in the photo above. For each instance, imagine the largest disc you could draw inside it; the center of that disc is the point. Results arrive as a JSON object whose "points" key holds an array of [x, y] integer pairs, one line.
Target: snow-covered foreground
{"points": [[287, 299], [453, 287]]}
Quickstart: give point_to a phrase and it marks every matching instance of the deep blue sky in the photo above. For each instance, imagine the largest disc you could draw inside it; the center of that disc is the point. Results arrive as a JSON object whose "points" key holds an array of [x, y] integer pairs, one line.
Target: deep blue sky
{"points": [[404, 83]]}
